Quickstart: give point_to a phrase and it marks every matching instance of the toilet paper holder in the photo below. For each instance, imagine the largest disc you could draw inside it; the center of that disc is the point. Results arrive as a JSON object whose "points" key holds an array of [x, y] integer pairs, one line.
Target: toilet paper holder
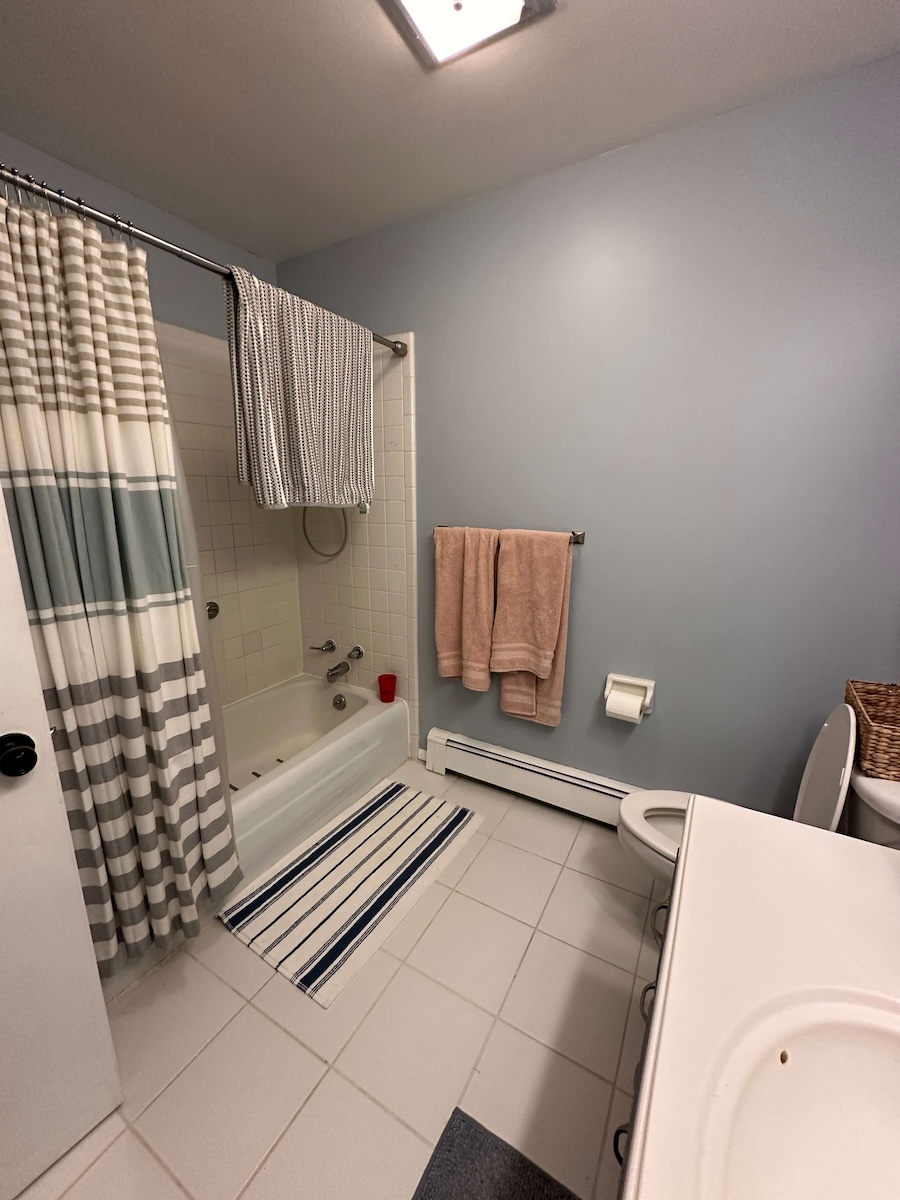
{"points": [[630, 686]]}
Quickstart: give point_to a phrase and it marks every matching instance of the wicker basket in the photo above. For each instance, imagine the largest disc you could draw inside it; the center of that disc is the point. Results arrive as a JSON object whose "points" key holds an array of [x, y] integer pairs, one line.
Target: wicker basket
{"points": [[877, 707]]}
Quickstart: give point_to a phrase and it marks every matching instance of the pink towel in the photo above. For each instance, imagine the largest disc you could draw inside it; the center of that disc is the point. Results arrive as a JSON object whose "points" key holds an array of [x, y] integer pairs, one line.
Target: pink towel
{"points": [[465, 564], [531, 623]]}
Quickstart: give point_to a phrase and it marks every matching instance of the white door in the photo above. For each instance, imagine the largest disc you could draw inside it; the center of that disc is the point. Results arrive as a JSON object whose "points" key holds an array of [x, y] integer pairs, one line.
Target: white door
{"points": [[57, 1070]]}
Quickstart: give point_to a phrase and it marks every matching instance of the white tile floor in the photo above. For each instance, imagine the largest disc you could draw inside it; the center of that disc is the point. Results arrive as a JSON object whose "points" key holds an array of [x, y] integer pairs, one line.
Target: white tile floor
{"points": [[510, 990]]}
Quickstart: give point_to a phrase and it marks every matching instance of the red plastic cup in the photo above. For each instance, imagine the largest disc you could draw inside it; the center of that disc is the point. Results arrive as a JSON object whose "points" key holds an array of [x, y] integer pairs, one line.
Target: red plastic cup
{"points": [[387, 685]]}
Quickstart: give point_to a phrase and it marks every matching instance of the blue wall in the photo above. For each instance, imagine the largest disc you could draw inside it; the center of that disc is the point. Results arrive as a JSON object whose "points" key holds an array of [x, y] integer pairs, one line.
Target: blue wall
{"points": [[182, 294], [691, 349]]}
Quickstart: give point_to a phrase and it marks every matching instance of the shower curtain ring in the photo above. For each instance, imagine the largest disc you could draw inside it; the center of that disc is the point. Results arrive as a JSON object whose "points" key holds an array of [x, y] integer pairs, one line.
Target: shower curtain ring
{"points": [[5, 184], [46, 188], [16, 186], [131, 234]]}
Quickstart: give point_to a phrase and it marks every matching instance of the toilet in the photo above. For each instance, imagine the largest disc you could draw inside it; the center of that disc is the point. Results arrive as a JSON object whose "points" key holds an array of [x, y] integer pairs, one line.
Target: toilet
{"points": [[874, 809], [651, 823]]}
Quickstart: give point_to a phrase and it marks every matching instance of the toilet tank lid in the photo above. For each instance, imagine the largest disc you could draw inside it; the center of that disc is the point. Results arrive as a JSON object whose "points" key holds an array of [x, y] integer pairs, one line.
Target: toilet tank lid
{"points": [[881, 794]]}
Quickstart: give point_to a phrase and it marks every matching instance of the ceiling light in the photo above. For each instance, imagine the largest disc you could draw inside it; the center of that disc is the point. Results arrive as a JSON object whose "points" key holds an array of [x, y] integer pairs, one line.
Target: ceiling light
{"points": [[439, 30]]}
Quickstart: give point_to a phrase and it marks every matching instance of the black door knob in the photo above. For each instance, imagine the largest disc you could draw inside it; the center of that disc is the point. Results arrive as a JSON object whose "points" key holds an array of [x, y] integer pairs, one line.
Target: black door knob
{"points": [[17, 754]]}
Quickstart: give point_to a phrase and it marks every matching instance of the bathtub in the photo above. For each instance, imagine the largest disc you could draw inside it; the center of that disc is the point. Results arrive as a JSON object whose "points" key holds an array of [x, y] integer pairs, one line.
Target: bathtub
{"points": [[295, 761]]}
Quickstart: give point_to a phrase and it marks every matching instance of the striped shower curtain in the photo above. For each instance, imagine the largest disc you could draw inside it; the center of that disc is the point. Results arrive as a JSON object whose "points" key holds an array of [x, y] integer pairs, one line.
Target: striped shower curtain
{"points": [[88, 476]]}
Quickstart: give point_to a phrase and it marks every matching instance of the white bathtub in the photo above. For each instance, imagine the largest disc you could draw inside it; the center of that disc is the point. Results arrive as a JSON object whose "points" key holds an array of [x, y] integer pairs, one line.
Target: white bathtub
{"points": [[295, 761]]}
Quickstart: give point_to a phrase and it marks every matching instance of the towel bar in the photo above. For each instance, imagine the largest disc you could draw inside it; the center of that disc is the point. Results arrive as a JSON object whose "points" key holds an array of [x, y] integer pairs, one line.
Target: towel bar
{"points": [[577, 535]]}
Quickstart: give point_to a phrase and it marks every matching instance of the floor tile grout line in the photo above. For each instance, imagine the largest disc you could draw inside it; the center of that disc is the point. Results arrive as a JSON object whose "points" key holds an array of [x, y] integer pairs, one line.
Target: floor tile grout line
{"points": [[605, 1146], [165, 1166], [427, 927], [222, 979], [545, 857], [639, 985], [440, 983], [477, 1062], [268, 1154], [130, 1121], [608, 882], [534, 929], [498, 1020], [495, 1017], [135, 983], [612, 1095], [381, 1104], [93, 1161], [564, 865], [493, 907], [634, 988], [638, 981], [341, 1049], [599, 957]]}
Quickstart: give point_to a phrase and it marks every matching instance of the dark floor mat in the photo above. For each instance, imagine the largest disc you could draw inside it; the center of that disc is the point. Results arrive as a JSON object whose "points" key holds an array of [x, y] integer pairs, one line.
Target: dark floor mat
{"points": [[471, 1163]]}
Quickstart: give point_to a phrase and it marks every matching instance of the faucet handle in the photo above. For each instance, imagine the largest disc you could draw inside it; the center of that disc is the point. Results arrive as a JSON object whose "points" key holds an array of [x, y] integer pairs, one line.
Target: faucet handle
{"points": [[328, 647], [356, 652]]}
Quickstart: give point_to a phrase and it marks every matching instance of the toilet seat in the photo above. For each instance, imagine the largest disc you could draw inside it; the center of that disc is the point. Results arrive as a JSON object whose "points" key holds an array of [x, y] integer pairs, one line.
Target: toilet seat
{"points": [[636, 813]]}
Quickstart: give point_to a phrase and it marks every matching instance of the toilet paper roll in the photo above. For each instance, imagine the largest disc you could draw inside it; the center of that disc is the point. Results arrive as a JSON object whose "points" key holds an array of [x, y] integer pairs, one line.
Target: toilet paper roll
{"points": [[625, 706]]}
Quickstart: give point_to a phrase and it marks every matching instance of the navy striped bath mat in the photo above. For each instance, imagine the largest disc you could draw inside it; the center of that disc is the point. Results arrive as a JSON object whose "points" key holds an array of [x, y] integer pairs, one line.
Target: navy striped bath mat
{"points": [[320, 914]]}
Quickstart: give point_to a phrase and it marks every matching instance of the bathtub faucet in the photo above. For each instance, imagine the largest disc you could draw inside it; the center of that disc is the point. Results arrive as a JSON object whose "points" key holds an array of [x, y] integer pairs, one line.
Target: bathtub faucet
{"points": [[337, 671]]}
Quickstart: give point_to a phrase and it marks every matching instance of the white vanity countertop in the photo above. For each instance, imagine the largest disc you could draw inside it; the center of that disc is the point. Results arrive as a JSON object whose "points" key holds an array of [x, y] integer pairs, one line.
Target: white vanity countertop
{"points": [[766, 916]]}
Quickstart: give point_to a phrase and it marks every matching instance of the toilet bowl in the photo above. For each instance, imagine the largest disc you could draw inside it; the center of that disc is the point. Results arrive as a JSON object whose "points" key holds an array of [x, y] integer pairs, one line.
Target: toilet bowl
{"points": [[651, 823], [874, 809]]}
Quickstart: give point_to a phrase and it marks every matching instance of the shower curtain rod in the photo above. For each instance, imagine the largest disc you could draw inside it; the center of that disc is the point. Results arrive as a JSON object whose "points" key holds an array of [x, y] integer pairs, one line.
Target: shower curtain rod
{"points": [[27, 183]]}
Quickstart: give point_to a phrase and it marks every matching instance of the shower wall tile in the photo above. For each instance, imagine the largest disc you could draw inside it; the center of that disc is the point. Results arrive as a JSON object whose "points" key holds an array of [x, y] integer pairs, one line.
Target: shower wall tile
{"points": [[367, 594], [256, 564], [247, 555]]}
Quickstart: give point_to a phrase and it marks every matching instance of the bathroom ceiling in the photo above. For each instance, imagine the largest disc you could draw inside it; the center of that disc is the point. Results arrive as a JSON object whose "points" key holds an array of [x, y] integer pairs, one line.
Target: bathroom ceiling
{"points": [[285, 125]]}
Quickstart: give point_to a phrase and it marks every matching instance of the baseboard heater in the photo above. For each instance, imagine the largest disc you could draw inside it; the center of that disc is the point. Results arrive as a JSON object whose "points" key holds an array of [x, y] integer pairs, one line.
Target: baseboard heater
{"points": [[580, 792]]}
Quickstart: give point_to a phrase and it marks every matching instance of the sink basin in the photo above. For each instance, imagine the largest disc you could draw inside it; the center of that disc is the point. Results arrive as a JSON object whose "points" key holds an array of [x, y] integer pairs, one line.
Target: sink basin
{"points": [[806, 1104]]}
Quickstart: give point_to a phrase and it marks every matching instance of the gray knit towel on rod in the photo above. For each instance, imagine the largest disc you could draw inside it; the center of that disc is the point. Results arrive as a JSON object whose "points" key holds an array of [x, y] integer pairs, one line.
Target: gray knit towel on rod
{"points": [[302, 381]]}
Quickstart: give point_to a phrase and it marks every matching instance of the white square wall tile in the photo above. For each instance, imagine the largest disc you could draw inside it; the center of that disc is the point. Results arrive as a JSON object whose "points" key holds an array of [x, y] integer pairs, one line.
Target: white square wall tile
{"points": [[597, 851], [571, 1001], [64, 1172], [540, 828], [326, 1030], [595, 916], [214, 1125], [127, 1171], [473, 950], [162, 1023], [511, 880], [231, 960], [551, 1110], [342, 1145], [415, 1050], [490, 802]]}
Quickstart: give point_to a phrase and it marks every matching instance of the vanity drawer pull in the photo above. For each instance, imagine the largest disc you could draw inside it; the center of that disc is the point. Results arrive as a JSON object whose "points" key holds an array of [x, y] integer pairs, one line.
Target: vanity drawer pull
{"points": [[622, 1131], [658, 933], [645, 1004]]}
